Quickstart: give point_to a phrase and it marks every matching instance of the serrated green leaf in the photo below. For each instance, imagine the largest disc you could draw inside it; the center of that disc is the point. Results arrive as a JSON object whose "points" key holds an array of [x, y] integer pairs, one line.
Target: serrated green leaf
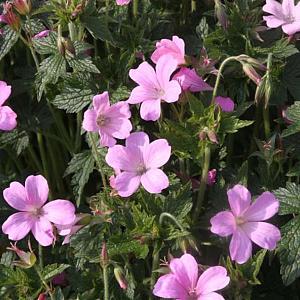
{"points": [[289, 199], [121, 93], [195, 104], [18, 140], [81, 166], [83, 65], [46, 45], [73, 100], [50, 271], [231, 124], [7, 39]]}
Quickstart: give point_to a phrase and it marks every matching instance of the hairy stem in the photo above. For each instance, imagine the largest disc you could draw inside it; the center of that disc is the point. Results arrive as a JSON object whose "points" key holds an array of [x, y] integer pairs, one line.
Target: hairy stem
{"points": [[106, 283], [171, 217]]}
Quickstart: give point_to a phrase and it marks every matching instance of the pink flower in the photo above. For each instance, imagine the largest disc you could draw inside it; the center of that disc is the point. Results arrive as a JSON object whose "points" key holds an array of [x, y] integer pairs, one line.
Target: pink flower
{"points": [[139, 162], [154, 86], [42, 34], [110, 121], [225, 103], [286, 15], [9, 17], [69, 229], [243, 222], [33, 215], [191, 81], [211, 177], [7, 115], [123, 2], [174, 48], [184, 283]]}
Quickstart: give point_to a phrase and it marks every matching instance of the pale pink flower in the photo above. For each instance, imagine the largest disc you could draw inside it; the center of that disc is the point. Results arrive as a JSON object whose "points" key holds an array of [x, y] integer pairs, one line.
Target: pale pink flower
{"points": [[225, 103], [243, 222], [7, 115], [69, 229], [111, 121], [9, 17], [123, 2], [42, 34], [189, 80], [286, 15], [174, 48], [184, 282], [211, 176], [33, 215], [139, 162], [154, 86]]}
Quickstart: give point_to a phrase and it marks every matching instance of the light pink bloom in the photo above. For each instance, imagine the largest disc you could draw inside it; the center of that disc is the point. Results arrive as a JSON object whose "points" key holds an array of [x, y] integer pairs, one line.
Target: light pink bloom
{"points": [[243, 222], [123, 2], [69, 229], [211, 177], [33, 215], [139, 162], [226, 104], [42, 34], [286, 15], [191, 81], [154, 86], [184, 283], [174, 48], [111, 121], [7, 115]]}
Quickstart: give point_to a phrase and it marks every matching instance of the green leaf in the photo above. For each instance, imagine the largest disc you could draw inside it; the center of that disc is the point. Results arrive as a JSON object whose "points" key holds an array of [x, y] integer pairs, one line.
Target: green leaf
{"points": [[83, 65], [121, 93], [231, 124], [291, 75], [18, 140], [196, 105], [46, 45], [292, 129], [81, 166], [73, 100], [7, 39], [98, 27], [51, 271], [289, 199], [289, 251]]}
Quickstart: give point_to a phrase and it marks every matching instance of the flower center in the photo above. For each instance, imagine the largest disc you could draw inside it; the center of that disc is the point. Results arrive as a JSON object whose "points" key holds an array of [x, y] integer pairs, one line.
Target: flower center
{"points": [[192, 294], [160, 93], [290, 19], [141, 169], [102, 120], [239, 221], [37, 212]]}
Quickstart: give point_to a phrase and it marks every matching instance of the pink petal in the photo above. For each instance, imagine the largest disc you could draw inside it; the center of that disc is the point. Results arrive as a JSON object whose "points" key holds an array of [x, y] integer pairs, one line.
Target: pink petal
{"points": [[18, 225], [119, 110], [273, 22], [172, 91], [7, 118], [273, 7], [42, 231], [37, 190], [211, 296], [127, 183], [119, 157], [90, 120], [212, 279], [5, 91], [292, 28], [141, 93], [119, 128], [15, 196], [288, 7], [154, 181], [137, 139], [106, 140], [165, 67], [60, 212], [42, 34], [239, 199], [263, 234], [123, 2], [223, 223], [265, 206], [240, 247], [101, 102], [168, 287], [226, 104], [157, 154], [150, 110], [145, 76]]}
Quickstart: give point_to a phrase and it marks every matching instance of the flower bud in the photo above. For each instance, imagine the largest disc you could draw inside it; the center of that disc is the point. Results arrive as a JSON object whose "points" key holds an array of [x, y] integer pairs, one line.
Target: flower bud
{"points": [[61, 46], [251, 73], [23, 7], [202, 134], [211, 177], [27, 259], [69, 47], [119, 275], [212, 136], [104, 256], [221, 15], [9, 17], [42, 296]]}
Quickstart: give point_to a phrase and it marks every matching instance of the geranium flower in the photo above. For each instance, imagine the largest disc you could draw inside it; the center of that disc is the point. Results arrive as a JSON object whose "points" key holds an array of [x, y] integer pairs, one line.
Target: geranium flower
{"points": [[286, 15], [184, 282], [139, 162], [33, 215], [211, 177], [191, 81], [154, 86], [243, 222], [9, 17], [7, 115], [225, 103], [123, 2], [110, 121], [174, 48]]}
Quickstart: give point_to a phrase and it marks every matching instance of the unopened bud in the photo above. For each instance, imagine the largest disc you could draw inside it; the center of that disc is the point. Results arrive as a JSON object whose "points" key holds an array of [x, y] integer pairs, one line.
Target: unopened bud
{"points": [[69, 47], [220, 12], [104, 256], [119, 275], [9, 17], [23, 7], [212, 136], [27, 259], [202, 135], [251, 73], [42, 296], [186, 243], [61, 46]]}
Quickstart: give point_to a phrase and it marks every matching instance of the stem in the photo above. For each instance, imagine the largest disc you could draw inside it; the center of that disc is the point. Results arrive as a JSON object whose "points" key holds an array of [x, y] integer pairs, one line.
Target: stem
{"points": [[72, 31], [36, 268], [167, 215], [266, 114], [41, 260], [193, 5], [106, 283], [203, 182], [155, 264], [135, 8]]}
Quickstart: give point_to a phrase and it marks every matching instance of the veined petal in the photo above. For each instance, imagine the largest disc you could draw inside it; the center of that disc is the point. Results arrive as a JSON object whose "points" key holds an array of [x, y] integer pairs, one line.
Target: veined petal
{"points": [[211, 296], [101, 102], [172, 91], [90, 120], [106, 140], [150, 110], [292, 28], [42, 231], [239, 199], [5, 91], [137, 139], [288, 7], [223, 223], [154, 181], [7, 118], [127, 183], [140, 94], [273, 7], [240, 246], [273, 22], [37, 190], [165, 67]]}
